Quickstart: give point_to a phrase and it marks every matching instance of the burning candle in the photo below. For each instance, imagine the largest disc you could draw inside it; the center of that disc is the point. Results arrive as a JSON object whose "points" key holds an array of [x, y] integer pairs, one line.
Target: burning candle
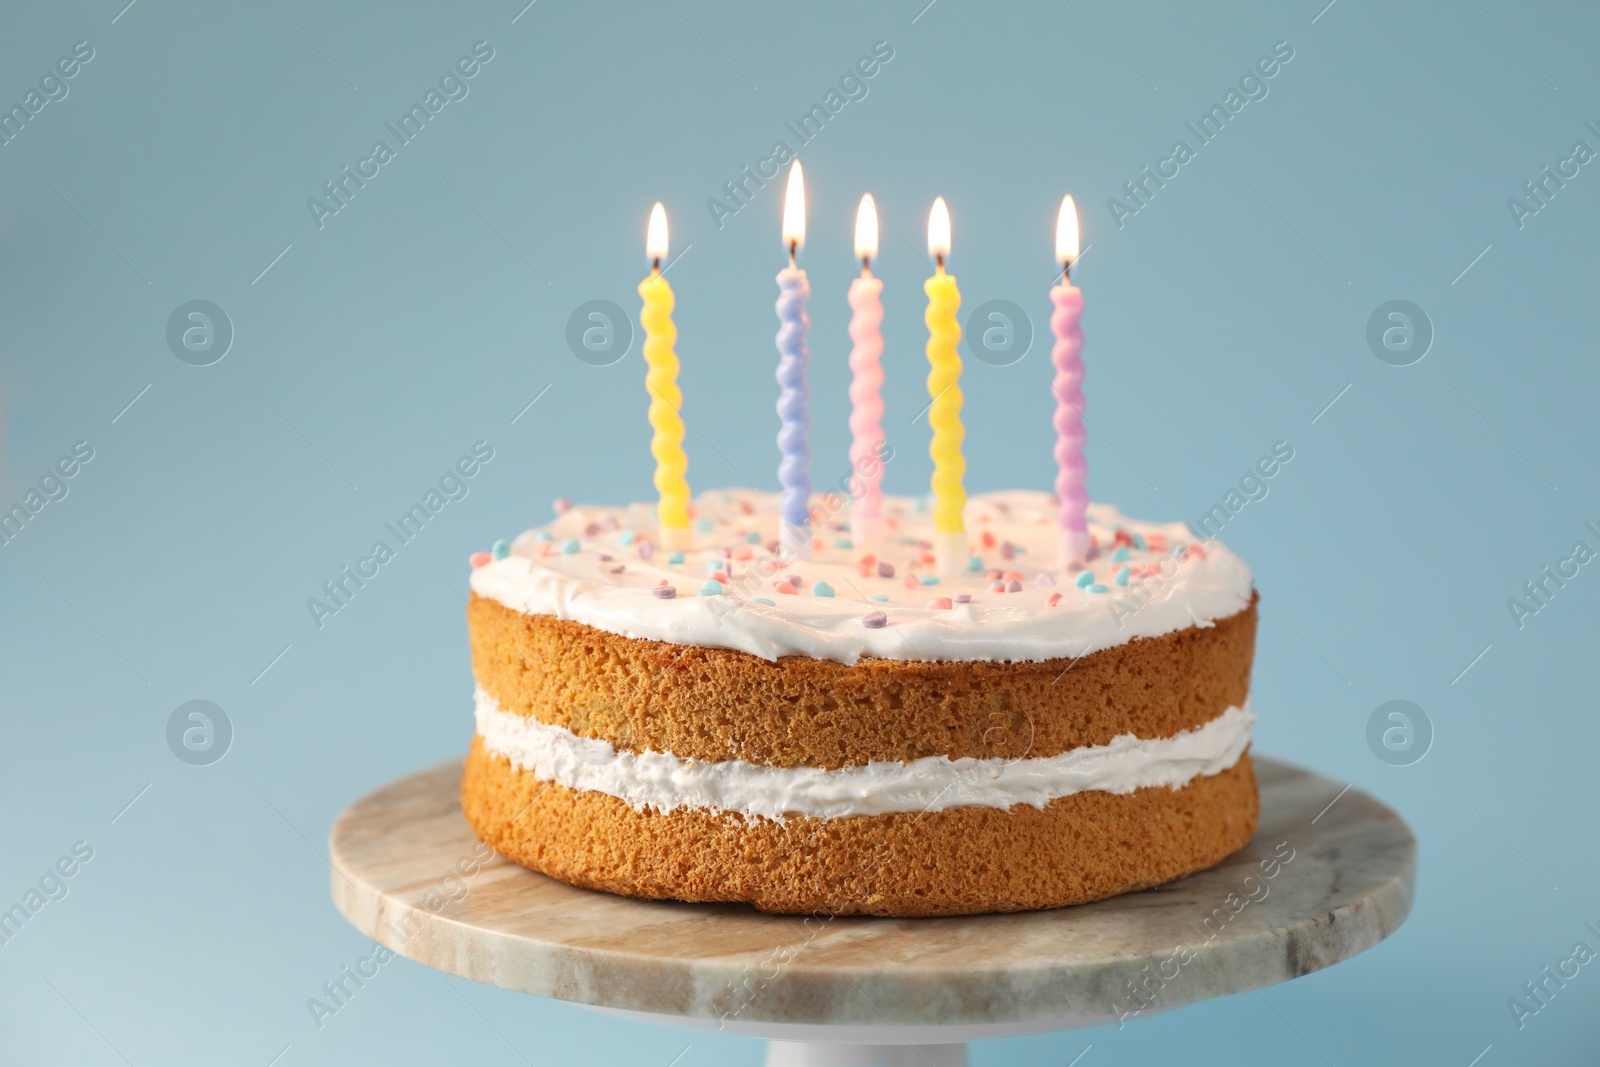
{"points": [[1068, 388], [944, 411], [866, 400], [661, 382], [794, 469]]}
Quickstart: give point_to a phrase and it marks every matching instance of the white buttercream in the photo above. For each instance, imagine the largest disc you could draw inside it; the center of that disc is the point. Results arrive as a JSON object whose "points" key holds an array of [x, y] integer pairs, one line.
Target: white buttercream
{"points": [[663, 781], [539, 578]]}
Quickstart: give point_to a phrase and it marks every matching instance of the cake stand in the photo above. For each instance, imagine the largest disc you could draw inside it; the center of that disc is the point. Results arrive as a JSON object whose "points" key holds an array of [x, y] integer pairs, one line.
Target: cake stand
{"points": [[1329, 873]]}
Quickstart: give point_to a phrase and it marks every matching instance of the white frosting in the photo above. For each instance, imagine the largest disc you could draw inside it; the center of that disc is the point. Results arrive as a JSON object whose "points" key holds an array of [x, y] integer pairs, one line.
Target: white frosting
{"points": [[662, 781], [541, 577]]}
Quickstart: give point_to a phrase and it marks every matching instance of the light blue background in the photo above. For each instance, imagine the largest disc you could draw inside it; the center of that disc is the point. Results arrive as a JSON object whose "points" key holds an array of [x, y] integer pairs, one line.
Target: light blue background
{"points": [[1222, 318]]}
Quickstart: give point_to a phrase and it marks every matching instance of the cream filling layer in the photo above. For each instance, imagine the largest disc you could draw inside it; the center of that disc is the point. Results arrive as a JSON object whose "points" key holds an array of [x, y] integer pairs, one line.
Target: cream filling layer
{"points": [[665, 782]]}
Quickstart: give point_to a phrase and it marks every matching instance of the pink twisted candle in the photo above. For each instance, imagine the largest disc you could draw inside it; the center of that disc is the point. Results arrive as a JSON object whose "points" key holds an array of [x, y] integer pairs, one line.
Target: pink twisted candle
{"points": [[1071, 470], [866, 409]]}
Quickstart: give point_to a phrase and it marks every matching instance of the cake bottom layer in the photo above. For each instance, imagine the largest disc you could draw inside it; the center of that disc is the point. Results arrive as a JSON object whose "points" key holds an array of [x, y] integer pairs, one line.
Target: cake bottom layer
{"points": [[956, 861]]}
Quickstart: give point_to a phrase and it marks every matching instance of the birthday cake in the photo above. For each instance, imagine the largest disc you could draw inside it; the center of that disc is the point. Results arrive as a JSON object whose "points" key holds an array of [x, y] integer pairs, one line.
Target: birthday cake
{"points": [[861, 732]]}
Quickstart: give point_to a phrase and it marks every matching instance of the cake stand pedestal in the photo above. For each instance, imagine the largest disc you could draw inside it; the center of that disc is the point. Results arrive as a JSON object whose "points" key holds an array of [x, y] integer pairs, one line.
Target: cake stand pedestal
{"points": [[1329, 873]]}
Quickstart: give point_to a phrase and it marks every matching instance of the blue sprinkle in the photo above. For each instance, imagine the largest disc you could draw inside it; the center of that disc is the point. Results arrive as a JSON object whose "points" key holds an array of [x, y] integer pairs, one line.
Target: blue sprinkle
{"points": [[676, 557], [1122, 576], [1138, 541], [753, 537], [1178, 548], [844, 542], [1098, 588], [1084, 579], [763, 600], [704, 525], [543, 535], [713, 565], [1120, 555], [625, 537], [974, 563], [570, 546], [928, 579], [879, 597], [500, 550], [711, 588], [821, 589]]}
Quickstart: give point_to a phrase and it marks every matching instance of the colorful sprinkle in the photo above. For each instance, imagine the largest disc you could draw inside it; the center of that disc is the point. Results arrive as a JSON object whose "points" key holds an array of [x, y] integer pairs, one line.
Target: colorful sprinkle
{"points": [[711, 588], [619, 568], [664, 592], [478, 559], [561, 505], [785, 588], [719, 576], [875, 620], [590, 529], [962, 598], [543, 535], [704, 525], [763, 600], [1014, 586], [879, 597], [821, 589], [930, 579], [1098, 588], [910, 582], [1008, 550], [885, 570], [940, 603], [609, 523], [499, 550], [676, 557], [743, 552], [1084, 579], [1139, 541], [625, 537], [570, 546], [974, 563], [601, 557], [646, 549], [713, 565], [1044, 580], [1122, 576], [997, 587], [1120, 555], [1052, 600], [844, 542], [753, 537]]}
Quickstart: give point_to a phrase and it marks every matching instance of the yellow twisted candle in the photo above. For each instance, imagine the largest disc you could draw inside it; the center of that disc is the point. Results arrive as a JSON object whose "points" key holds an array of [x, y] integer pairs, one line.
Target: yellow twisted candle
{"points": [[944, 413], [661, 382]]}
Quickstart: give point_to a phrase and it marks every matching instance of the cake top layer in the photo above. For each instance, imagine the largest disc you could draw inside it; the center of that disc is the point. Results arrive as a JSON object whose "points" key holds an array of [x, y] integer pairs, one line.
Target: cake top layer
{"points": [[602, 566]]}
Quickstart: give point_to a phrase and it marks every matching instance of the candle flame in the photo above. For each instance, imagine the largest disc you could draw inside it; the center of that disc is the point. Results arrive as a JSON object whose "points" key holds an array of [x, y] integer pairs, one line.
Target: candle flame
{"points": [[1067, 232], [655, 242], [794, 208], [939, 229], [867, 228]]}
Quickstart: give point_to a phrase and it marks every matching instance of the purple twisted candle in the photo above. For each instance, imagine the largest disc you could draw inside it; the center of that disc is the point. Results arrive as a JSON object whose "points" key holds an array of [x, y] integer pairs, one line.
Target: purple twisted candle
{"points": [[794, 470], [1071, 470], [866, 407]]}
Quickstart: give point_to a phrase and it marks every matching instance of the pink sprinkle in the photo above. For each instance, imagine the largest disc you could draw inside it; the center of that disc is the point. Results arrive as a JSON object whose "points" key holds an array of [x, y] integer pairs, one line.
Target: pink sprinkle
{"points": [[609, 522], [619, 568], [1012, 576], [562, 505], [962, 598], [665, 592], [545, 548], [1052, 600], [601, 557], [1008, 550], [785, 588], [590, 529], [746, 507], [940, 603], [743, 552], [912, 583], [478, 559], [885, 570], [720, 576], [1044, 581], [997, 587], [646, 549], [1013, 586], [875, 620]]}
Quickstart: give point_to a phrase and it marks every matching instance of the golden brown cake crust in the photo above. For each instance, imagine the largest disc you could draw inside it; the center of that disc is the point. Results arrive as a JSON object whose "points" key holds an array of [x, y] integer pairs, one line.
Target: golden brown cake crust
{"points": [[1082, 847], [720, 704]]}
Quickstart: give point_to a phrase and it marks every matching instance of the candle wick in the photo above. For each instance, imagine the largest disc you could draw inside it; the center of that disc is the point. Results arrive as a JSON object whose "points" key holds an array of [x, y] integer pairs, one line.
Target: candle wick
{"points": [[938, 260], [794, 246], [866, 265], [655, 266], [1066, 271]]}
